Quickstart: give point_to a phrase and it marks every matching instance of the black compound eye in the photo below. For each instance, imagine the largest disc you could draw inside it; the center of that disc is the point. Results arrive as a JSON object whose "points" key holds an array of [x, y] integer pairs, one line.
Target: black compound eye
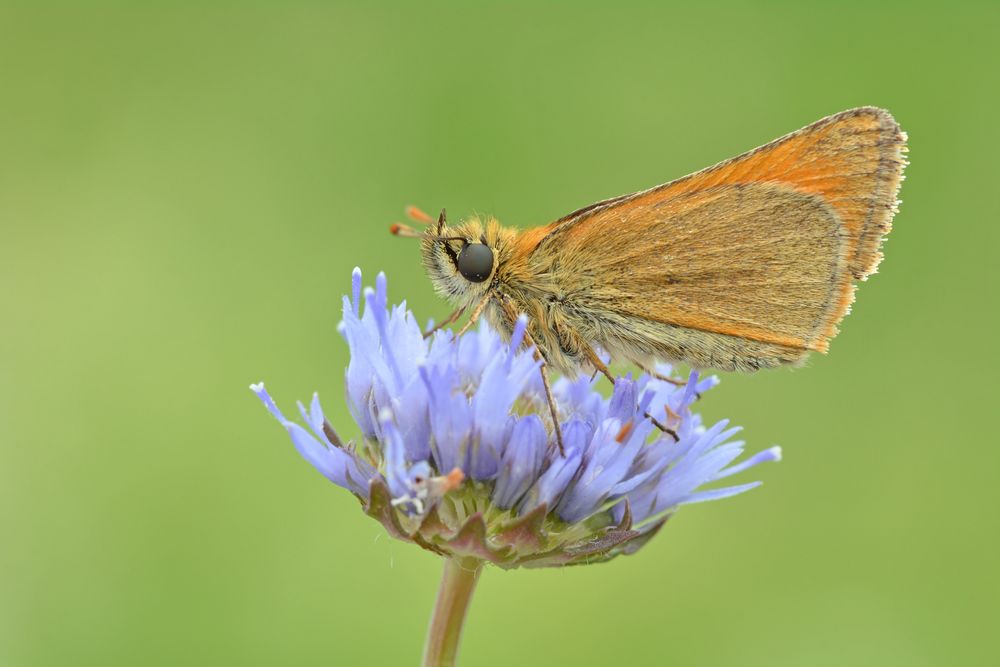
{"points": [[475, 262]]}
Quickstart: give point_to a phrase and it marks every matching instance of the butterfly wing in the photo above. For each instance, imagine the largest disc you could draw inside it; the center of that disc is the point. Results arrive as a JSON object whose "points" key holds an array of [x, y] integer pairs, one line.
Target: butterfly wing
{"points": [[746, 264]]}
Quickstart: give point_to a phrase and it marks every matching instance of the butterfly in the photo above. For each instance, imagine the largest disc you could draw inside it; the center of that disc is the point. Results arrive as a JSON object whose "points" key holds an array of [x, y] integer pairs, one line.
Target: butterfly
{"points": [[748, 264]]}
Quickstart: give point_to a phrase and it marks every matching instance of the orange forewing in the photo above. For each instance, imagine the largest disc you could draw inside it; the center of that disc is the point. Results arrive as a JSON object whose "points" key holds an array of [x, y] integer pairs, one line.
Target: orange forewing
{"points": [[763, 246]]}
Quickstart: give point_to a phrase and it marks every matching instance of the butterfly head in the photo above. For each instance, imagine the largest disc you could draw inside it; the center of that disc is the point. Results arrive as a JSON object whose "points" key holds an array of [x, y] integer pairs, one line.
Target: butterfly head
{"points": [[460, 261], [463, 261]]}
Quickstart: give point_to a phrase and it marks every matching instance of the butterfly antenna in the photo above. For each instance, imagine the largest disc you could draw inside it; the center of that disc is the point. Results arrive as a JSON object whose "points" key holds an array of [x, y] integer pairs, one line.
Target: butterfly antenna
{"points": [[399, 229], [417, 215]]}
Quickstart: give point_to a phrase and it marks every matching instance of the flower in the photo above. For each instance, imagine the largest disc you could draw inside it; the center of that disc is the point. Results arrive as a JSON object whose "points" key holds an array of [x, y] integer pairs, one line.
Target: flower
{"points": [[457, 452]]}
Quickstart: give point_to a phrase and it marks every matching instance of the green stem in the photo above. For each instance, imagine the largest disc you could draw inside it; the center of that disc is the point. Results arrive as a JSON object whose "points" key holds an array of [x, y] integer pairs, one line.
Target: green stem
{"points": [[457, 583]]}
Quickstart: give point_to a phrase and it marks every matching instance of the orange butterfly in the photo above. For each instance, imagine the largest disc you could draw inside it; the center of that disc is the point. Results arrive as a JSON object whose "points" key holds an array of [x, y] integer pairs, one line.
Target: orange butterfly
{"points": [[745, 265]]}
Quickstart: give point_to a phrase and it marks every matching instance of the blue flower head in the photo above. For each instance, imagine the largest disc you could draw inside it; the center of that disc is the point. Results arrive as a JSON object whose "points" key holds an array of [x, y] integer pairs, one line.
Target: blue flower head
{"points": [[457, 451]]}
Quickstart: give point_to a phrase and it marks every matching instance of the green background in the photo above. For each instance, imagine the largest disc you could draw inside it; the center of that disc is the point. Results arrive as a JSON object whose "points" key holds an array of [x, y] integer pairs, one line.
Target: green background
{"points": [[184, 189]]}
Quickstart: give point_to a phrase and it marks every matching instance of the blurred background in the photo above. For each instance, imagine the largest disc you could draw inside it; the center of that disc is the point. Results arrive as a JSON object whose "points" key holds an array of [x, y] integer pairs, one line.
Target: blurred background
{"points": [[185, 188]]}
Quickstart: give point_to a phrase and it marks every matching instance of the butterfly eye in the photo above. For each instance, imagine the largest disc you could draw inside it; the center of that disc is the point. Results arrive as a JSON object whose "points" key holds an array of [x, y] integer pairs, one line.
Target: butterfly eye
{"points": [[475, 263]]}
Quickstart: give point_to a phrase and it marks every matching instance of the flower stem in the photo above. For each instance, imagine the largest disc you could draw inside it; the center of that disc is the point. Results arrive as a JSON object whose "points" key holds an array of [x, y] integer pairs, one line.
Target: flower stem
{"points": [[457, 583]]}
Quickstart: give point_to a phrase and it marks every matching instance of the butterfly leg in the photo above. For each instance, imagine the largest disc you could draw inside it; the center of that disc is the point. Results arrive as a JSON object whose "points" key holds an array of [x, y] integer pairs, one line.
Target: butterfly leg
{"points": [[511, 311], [601, 367], [507, 306], [659, 376], [597, 363], [665, 378], [445, 322], [553, 411], [474, 317]]}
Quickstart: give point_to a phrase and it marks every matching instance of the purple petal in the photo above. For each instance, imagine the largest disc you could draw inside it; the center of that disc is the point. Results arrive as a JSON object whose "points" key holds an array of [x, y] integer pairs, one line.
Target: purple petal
{"points": [[266, 399]]}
